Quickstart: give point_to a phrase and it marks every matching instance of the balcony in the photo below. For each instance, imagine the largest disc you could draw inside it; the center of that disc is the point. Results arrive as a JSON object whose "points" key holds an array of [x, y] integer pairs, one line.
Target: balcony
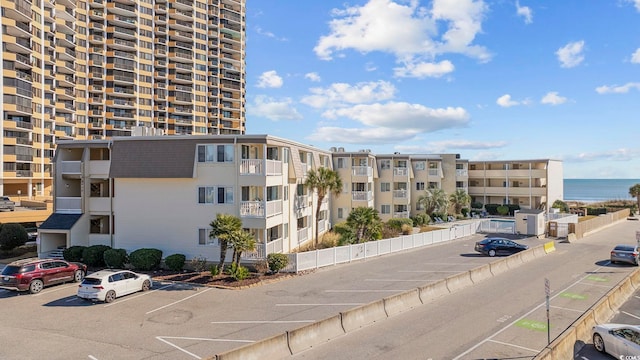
{"points": [[71, 168], [303, 234], [400, 194], [399, 171], [401, 214], [68, 205], [362, 171], [361, 195]]}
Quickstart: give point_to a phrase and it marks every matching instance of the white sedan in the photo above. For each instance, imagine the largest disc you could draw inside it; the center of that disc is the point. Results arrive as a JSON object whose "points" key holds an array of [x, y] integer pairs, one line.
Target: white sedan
{"points": [[617, 339], [106, 285]]}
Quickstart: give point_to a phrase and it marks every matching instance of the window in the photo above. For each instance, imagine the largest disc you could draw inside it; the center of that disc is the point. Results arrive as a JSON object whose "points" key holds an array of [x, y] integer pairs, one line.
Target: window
{"points": [[385, 164], [206, 195], [204, 239], [285, 229], [459, 166], [433, 185], [225, 195], [433, 165], [385, 187], [420, 185], [341, 164], [340, 214], [385, 209], [215, 153], [459, 184], [420, 165]]}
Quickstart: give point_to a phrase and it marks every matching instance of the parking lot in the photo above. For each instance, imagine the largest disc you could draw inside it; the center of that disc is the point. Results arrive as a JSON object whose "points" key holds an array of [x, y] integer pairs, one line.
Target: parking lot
{"points": [[180, 321]]}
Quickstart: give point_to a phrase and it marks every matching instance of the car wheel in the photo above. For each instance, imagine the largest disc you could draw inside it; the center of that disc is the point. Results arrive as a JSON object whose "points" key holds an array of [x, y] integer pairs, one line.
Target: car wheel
{"points": [[492, 253], [111, 295], [78, 276], [146, 285], [36, 286], [598, 343]]}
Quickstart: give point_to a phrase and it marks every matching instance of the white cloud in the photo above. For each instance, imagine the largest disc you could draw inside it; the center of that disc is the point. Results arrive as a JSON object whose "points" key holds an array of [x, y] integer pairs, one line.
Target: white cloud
{"points": [[506, 101], [571, 55], [370, 67], [552, 98], [424, 69], [622, 154], [269, 79], [269, 34], [525, 12], [313, 76], [615, 89], [340, 93], [637, 4], [635, 57], [272, 109], [402, 115], [447, 146], [379, 24], [362, 135]]}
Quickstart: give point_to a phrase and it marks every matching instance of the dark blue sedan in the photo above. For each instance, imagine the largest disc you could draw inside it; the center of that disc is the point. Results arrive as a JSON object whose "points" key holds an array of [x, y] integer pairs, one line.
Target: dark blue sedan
{"points": [[499, 246]]}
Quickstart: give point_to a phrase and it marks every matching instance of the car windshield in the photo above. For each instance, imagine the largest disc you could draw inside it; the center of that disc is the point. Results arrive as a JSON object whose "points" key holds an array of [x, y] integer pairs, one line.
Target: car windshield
{"points": [[91, 281]]}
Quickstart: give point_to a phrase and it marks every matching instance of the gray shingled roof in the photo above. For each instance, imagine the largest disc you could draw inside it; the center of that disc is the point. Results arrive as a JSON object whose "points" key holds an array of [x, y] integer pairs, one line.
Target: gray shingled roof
{"points": [[148, 158], [57, 221]]}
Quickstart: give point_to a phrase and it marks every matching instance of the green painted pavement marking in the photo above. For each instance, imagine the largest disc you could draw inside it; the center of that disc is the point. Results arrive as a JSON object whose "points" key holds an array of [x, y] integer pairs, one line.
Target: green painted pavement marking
{"points": [[573, 296], [597, 278], [531, 324]]}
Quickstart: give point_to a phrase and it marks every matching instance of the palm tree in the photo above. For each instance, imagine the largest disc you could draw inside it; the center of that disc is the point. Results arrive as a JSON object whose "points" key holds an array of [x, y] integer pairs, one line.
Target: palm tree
{"points": [[323, 181], [635, 192], [365, 222], [223, 227], [241, 241], [459, 199], [434, 200]]}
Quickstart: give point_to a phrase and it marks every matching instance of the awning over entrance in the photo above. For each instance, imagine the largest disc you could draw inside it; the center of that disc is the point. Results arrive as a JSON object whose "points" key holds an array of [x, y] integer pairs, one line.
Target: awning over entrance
{"points": [[60, 221]]}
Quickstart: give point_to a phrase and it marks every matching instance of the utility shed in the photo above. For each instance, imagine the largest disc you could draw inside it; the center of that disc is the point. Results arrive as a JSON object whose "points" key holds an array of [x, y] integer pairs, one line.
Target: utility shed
{"points": [[530, 222]]}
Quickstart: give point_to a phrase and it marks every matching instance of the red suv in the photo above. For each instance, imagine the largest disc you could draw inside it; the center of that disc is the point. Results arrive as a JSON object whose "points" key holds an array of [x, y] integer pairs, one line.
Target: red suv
{"points": [[35, 274]]}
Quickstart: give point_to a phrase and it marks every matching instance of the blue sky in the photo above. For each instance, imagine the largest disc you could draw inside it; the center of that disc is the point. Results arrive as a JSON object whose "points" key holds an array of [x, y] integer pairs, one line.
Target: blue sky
{"points": [[489, 80]]}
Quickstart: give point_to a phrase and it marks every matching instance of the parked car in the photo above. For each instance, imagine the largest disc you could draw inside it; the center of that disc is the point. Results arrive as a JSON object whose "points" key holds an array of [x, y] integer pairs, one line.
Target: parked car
{"points": [[618, 340], [625, 253], [34, 274], [7, 204], [498, 246], [106, 285]]}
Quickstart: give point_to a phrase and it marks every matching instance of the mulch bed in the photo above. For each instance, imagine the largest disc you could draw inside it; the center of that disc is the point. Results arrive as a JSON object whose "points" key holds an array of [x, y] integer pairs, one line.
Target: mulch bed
{"points": [[221, 281]]}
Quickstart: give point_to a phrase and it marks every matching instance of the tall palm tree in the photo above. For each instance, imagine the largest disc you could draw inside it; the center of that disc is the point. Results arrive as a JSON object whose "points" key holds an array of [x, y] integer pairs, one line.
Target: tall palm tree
{"points": [[635, 192], [434, 200], [241, 241], [222, 228], [459, 199], [365, 222], [323, 181]]}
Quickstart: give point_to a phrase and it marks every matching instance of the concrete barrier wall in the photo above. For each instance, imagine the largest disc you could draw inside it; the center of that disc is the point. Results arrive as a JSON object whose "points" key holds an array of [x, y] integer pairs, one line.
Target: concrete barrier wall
{"points": [[363, 315], [621, 293], [498, 267], [314, 334], [635, 278], [527, 255], [563, 346], [433, 291], [459, 281], [602, 311], [513, 261], [584, 324], [539, 251], [272, 348], [480, 273], [402, 302]]}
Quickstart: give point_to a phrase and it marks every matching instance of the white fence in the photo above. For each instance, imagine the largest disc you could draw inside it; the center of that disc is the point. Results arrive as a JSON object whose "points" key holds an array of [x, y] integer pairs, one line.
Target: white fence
{"points": [[348, 253]]}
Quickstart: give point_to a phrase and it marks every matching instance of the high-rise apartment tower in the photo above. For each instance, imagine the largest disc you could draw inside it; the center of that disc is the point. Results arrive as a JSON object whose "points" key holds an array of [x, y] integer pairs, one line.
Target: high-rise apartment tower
{"points": [[95, 69]]}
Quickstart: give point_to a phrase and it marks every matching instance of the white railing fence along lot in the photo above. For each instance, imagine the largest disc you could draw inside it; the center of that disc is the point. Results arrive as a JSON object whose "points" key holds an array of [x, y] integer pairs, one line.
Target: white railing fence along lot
{"points": [[348, 253]]}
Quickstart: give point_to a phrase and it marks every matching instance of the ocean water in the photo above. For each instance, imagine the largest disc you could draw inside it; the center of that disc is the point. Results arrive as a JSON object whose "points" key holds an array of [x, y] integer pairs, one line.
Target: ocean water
{"points": [[595, 190]]}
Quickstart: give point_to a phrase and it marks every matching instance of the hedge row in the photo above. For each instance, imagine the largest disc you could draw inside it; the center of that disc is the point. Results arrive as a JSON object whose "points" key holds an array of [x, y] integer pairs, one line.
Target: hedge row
{"points": [[103, 255]]}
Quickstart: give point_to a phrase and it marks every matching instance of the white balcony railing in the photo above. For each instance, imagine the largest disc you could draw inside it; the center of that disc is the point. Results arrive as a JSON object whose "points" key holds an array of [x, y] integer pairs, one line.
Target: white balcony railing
{"points": [[274, 207], [252, 209], [302, 201], [251, 167], [274, 167], [401, 214], [274, 246], [362, 171], [361, 195], [68, 205], [400, 194], [303, 234], [72, 167], [400, 171]]}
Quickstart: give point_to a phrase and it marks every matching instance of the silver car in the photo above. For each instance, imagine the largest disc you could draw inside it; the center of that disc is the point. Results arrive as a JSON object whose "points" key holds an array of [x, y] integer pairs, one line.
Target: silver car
{"points": [[618, 340], [625, 253]]}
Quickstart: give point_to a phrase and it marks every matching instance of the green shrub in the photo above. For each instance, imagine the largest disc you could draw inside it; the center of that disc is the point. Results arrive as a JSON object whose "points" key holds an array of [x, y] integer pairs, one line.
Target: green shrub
{"points": [[503, 210], [238, 272], [421, 219], [175, 262], [397, 223], [277, 262], [347, 235], [145, 259], [94, 255], [12, 235], [407, 229], [492, 209], [73, 253], [464, 211], [115, 258], [476, 205], [215, 271]]}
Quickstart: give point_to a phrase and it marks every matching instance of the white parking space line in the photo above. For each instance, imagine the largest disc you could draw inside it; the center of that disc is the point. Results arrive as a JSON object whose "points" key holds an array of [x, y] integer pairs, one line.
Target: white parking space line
{"points": [[490, 338], [179, 301], [563, 308], [93, 357], [399, 280], [54, 289], [636, 296], [334, 304], [137, 296], [629, 314], [514, 345], [364, 291], [163, 339], [455, 264], [263, 322], [429, 271]]}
